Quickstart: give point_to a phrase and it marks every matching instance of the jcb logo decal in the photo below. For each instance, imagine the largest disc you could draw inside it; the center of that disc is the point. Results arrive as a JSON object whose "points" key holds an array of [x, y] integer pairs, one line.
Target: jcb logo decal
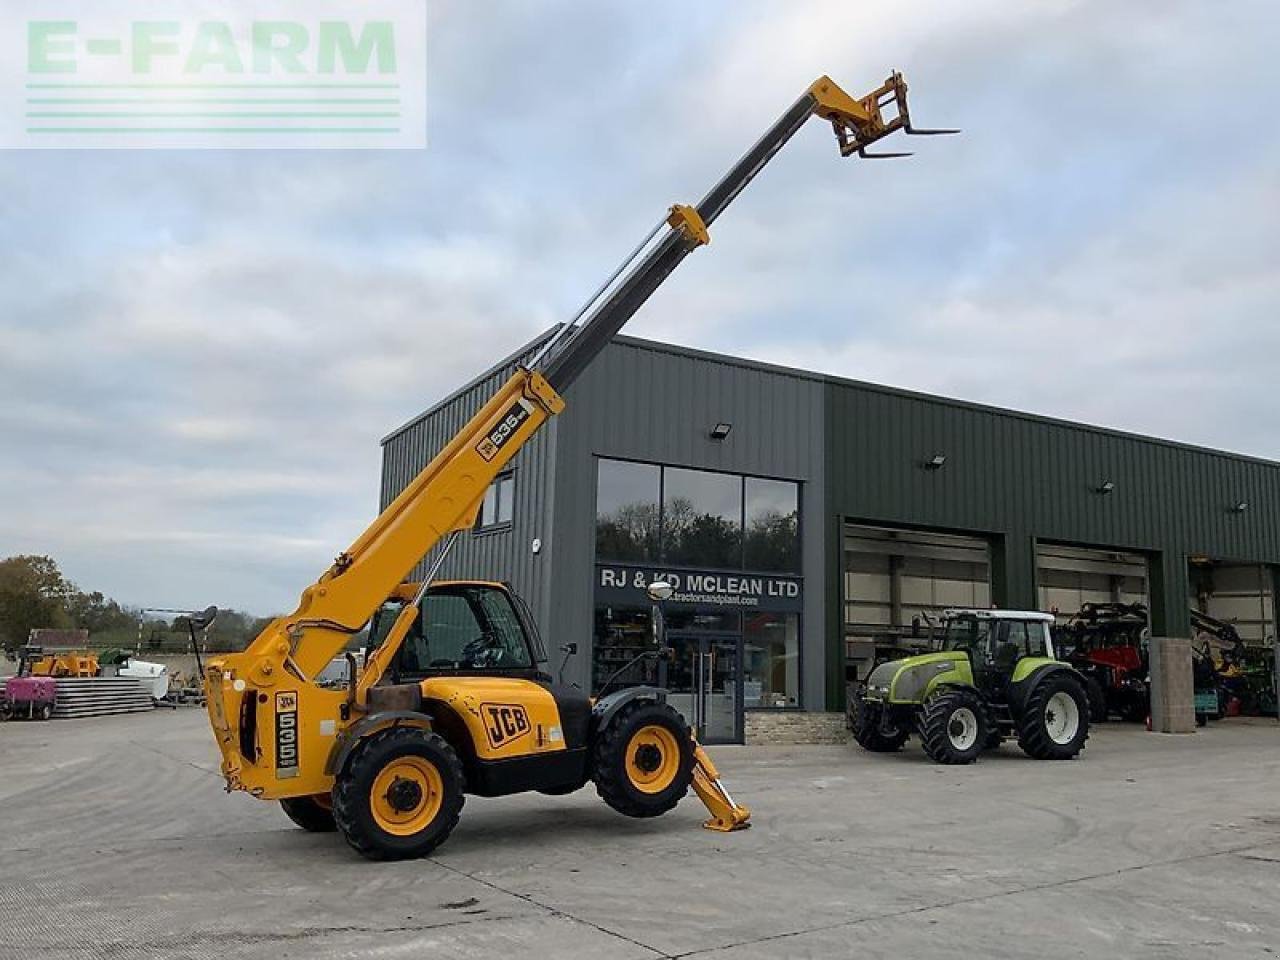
{"points": [[286, 734], [504, 723], [503, 430]]}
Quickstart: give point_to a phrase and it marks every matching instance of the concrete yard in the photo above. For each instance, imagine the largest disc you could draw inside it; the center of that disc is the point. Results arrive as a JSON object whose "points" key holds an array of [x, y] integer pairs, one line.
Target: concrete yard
{"points": [[117, 841]]}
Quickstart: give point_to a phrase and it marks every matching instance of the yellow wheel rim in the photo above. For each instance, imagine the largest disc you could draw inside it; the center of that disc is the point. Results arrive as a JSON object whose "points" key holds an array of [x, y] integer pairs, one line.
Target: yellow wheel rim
{"points": [[653, 759], [406, 796]]}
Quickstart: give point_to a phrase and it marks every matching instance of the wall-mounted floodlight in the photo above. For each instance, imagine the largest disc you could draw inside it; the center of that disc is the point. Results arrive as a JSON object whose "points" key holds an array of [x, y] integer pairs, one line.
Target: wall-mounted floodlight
{"points": [[936, 462], [1105, 487], [1240, 507], [721, 430]]}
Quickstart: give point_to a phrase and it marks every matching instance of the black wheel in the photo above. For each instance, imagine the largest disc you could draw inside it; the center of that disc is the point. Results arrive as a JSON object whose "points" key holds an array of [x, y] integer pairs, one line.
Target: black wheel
{"points": [[45, 711], [1136, 708], [954, 726], [864, 721], [310, 813], [1054, 721], [642, 762], [1202, 719], [400, 795], [6, 710], [1098, 711]]}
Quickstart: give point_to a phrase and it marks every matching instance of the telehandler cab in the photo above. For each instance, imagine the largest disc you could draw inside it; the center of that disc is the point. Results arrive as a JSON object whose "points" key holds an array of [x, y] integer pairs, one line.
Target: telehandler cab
{"points": [[995, 677], [451, 698]]}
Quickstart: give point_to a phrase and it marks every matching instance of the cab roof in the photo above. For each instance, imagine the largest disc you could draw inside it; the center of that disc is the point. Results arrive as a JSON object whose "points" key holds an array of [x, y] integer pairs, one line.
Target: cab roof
{"points": [[998, 614]]}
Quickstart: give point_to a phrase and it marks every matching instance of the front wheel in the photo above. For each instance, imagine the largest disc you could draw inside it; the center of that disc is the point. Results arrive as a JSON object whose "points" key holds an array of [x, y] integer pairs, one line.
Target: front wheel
{"points": [[954, 727], [865, 721], [642, 761], [1054, 721], [400, 795]]}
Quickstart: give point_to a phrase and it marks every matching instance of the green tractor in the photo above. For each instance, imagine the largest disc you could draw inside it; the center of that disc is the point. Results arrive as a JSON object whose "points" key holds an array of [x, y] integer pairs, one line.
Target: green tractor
{"points": [[995, 678]]}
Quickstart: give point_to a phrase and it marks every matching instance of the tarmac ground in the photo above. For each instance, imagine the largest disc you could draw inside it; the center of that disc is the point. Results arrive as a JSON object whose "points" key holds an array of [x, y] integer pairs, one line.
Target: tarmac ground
{"points": [[117, 841]]}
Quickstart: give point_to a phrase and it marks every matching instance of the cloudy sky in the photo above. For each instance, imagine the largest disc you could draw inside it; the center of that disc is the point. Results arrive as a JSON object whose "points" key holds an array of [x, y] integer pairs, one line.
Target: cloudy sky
{"points": [[199, 351]]}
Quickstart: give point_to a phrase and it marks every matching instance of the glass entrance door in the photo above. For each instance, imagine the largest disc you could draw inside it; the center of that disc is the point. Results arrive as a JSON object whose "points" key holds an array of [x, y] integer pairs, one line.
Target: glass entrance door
{"points": [[704, 684]]}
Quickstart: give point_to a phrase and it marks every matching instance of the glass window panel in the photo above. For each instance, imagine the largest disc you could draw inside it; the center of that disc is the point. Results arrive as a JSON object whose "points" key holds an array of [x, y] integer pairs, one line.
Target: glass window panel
{"points": [[627, 511], [771, 660], [621, 633], [464, 629], [488, 507], [702, 519], [772, 536], [506, 498]]}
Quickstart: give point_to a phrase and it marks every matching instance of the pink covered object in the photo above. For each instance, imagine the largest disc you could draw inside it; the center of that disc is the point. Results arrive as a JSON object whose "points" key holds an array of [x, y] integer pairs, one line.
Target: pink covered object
{"points": [[23, 690]]}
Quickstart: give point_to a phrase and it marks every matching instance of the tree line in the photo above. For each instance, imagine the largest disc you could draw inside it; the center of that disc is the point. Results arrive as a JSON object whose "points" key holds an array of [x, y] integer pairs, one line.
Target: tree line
{"points": [[34, 594]]}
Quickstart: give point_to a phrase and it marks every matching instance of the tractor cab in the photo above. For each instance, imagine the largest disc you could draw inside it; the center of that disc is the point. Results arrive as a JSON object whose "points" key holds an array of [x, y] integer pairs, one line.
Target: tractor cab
{"points": [[996, 641]]}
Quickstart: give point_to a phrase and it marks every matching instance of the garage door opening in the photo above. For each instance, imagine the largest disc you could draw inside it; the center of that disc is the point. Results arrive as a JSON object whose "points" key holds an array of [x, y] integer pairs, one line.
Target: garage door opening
{"points": [[895, 581], [1071, 577], [1233, 625]]}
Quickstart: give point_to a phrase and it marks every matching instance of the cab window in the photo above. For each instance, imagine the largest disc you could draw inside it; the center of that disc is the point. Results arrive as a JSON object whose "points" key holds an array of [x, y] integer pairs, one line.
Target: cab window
{"points": [[1011, 645], [465, 628], [1037, 639]]}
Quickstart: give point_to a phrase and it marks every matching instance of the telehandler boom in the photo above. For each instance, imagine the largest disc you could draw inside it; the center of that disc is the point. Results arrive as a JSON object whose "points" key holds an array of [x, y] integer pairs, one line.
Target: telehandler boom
{"points": [[451, 699]]}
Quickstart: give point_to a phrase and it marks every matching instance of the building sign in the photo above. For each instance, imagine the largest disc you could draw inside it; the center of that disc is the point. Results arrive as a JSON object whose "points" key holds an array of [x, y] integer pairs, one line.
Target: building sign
{"points": [[625, 585]]}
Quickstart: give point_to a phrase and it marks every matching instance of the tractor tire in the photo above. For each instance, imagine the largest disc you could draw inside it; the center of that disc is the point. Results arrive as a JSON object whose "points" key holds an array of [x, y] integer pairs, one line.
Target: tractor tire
{"points": [[313, 814], [45, 712], [864, 722], [954, 726], [1098, 710], [642, 762], [400, 795], [1054, 721]]}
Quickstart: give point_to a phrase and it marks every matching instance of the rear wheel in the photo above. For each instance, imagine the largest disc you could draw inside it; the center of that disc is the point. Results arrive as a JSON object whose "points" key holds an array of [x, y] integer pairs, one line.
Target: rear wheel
{"points": [[1054, 723], [954, 726], [401, 794], [310, 813], [642, 763], [865, 721], [1098, 710], [45, 712]]}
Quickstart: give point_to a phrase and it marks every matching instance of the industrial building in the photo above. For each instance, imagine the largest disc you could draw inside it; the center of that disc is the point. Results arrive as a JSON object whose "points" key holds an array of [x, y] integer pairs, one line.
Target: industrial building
{"points": [[807, 519]]}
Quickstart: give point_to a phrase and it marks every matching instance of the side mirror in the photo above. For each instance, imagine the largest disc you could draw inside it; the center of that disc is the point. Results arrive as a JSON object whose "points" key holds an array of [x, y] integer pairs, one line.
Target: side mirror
{"points": [[660, 590]]}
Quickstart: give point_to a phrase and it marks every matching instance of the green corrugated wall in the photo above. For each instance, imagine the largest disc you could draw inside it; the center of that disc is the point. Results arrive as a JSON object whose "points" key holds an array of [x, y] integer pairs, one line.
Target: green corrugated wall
{"points": [[1019, 479]]}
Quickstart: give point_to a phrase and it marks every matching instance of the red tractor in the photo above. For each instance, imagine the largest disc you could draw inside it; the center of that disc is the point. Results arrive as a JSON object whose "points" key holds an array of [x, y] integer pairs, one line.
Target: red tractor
{"points": [[1108, 644]]}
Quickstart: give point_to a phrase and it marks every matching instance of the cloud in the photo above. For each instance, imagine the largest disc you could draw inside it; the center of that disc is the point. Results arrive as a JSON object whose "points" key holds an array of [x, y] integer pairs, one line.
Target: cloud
{"points": [[200, 350]]}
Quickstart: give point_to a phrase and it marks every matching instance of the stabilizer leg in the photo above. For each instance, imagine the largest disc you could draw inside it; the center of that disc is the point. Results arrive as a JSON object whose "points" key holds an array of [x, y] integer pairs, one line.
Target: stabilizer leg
{"points": [[726, 815]]}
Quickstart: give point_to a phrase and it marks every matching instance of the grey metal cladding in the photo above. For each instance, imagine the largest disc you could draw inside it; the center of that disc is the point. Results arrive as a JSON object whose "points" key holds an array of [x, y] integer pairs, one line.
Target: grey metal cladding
{"points": [[651, 402], [504, 553]]}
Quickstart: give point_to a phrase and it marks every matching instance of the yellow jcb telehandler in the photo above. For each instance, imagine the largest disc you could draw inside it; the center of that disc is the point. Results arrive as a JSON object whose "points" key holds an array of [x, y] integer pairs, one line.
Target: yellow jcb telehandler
{"points": [[452, 698]]}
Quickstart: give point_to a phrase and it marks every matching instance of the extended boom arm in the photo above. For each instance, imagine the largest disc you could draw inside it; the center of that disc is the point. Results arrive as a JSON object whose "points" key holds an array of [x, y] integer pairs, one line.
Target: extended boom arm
{"points": [[447, 494]]}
